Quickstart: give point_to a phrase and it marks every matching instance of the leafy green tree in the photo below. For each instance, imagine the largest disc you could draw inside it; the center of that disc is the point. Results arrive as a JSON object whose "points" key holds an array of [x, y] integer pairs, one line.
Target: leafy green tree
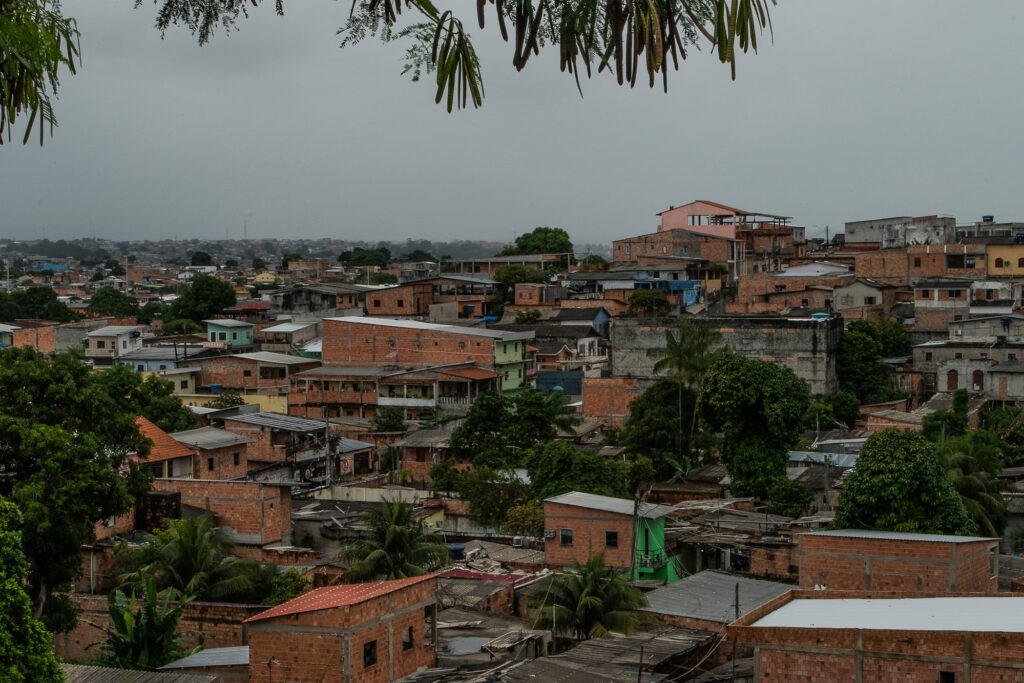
{"points": [[258, 263], [526, 519], [973, 463], [34, 302], [64, 445], [491, 494], [508, 276], [1006, 423], [26, 652], [289, 257], [943, 424], [419, 255], [686, 359], [789, 498], [107, 301], [649, 302], [366, 257], [654, 425], [383, 279], [179, 326], [539, 417], [145, 638], [152, 398], [200, 258], [444, 476], [231, 263], [150, 311], [527, 316], [859, 364], [540, 241], [899, 485], [194, 558], [894, 339], [591, 600], [759, 408], [389, 419], [845, 408], [227, 399], [286, 586], [557, 467], [396, 546], [204, 298], [114, 267]]}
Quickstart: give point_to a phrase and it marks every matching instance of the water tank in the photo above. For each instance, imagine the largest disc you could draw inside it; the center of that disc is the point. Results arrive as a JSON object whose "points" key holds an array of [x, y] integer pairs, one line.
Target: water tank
{"points": [[988, 218], [216, 388], [820, 316]]}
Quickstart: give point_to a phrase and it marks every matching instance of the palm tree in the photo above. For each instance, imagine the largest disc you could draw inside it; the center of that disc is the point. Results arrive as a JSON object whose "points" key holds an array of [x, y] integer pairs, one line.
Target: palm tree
{"points": [[589, 601], [194, 558], [562, 415], [973, 462], [397, 547], [687, 359]]}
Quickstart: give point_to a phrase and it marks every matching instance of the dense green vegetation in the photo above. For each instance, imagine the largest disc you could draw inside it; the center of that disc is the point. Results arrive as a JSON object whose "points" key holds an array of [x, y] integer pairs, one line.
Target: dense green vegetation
{"points": [[396, 547]]}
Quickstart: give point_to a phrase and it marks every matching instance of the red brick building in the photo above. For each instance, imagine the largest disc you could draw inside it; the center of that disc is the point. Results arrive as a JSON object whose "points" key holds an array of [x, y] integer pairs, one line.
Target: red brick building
{"points": [[415, 298], [262, 372], [866, 560], [167, 456], [218, 453], [250, 512], [357, 632], [826, 637], [606, 399]]}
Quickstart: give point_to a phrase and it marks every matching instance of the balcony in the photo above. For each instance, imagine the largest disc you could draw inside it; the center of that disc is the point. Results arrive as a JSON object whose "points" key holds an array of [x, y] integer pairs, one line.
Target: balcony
{"points": [[316, 396], [406, 402], [655, 560]]}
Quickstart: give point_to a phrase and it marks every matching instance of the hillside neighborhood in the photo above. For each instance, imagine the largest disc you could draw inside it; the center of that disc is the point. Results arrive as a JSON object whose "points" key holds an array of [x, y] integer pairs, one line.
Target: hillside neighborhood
{"points": [[719, 450]]}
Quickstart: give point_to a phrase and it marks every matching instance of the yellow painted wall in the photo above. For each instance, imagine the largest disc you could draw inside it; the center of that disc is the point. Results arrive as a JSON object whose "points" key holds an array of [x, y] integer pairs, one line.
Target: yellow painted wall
{"points": [[271, 404], [1011, 254]]}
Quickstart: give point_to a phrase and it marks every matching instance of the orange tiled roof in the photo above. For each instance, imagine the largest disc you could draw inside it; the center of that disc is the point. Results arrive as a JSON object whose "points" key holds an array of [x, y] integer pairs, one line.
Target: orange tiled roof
{"points": [[164, 447], [470, 373], [337, 596]]}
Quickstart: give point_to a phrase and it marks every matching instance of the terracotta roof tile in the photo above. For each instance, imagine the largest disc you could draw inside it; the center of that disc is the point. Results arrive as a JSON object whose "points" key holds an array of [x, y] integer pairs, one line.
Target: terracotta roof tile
{"points": [[337, 596], [164, 446]]}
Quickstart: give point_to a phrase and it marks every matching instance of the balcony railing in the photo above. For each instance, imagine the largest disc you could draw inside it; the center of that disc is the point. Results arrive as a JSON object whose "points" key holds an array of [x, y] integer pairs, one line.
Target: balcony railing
{"points": [[655, 560], [316, 396]]}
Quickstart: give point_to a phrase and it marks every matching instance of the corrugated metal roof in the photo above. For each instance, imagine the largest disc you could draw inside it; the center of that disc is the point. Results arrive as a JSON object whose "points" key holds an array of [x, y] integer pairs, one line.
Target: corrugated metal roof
{"points": [[337, 596], [114, 330], [208, 438], [271, 357], [900, 536], [78, 673], [622, 506], [279, 421], [711, 596], [433, 327], [350, 445], [340, 371], [228, 322], [285, 328], [215, 656]]}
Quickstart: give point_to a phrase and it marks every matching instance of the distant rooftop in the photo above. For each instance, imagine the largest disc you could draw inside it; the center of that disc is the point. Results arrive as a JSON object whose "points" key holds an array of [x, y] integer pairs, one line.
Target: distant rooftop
{"points": [[271, 357], [280, 421], [286, 328], [228, 322], [622, 506], [711, 595], [208, 438], [433, 327], [337, 596], [214, 656], [976, 614], [115, 330]]}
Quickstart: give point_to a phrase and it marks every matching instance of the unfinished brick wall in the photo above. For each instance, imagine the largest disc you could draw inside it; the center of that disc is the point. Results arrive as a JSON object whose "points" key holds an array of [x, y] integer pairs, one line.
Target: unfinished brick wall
{"points": [[256, 512], [358, 343], [42, 339], [219, 623], [327, 645], [775, 562], [409, 299], [851, 563], [244, 375], [264, 446], [588, 535], [606, 400]]}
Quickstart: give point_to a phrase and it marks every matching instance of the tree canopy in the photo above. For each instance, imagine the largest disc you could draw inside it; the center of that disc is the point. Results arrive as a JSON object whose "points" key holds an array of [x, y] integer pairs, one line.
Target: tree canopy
{"points": [[366, 257], [200, 258], [26, 653], [859, 361], [540, 241], [900, 485], [33, 302], [204, 298], [396, 546], [108, 302], [760, 408], [557, 467]]}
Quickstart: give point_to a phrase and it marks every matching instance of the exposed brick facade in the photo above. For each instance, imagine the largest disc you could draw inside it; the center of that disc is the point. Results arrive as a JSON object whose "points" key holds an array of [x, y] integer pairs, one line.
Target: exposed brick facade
{"points": [[606, 400], [247, 375], [328, 645], [933, 566], [357, 344], [589, 529], [256, 512]]}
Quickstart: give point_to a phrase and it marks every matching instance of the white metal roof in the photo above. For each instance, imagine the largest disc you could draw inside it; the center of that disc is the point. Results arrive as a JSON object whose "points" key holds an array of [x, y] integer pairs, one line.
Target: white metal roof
{"points": [[998, 614], [622, 506], [434, 327], [114, 330], [899, 536], [285, 328], [8, 328], [271, 357], [228, 322]]}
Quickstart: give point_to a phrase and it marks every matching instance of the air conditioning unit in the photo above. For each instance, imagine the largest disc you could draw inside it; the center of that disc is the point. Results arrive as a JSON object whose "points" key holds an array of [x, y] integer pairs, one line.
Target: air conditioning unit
{"points": [[549, 533], [517, 541]]}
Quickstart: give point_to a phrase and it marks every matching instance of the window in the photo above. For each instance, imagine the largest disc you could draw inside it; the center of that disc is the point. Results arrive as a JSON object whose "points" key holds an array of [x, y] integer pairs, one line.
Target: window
{"points": [[462, 345], [369, 654], [804, 303], [926, 293], [407, 638], [1011, 356], [235, 458], [124, 343], [984, 355], [611, 539], [955, 293], [958, 355], [246, 373], [401, 303], [140, 367], [376, 303], [917, 261], [234, 336], [223, 336], [100, 344], [565, 538], [209, 464], [947, 677], [970, 261], [957, 318], [999, 263], [869, 301], [927, 355], [183, 384]]}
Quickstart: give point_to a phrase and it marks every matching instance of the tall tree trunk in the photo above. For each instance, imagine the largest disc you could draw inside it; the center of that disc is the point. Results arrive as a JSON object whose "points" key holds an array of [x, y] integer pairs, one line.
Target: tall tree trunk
{"points": [[40, 600]]}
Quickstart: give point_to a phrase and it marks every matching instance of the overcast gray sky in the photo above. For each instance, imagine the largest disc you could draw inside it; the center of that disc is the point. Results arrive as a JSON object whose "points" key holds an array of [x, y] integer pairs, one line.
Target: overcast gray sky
{"points": [[860, 109]]}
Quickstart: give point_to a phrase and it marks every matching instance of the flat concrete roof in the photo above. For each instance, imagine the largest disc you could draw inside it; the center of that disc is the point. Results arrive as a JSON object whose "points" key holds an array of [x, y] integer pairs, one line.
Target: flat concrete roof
{"points": [[992, 614]]}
